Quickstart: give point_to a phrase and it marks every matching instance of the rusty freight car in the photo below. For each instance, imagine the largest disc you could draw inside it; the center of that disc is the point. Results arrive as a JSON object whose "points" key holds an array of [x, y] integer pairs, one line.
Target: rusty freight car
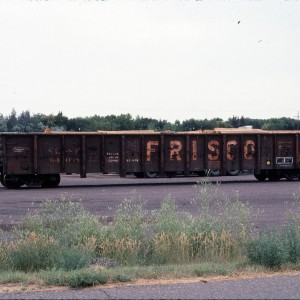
{"points": [[38, 159]]}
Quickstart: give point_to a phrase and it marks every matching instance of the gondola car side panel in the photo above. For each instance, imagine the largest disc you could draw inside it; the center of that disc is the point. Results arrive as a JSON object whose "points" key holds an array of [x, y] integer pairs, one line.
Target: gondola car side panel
{"points": [[232, 151], [112, 153], [285, 152], [49, 154], [214, 152], [152, 153], [133, 151], [72, 153], [197, 153], [249, 152], [267, 151], [19, 154], [93, 153], [175, 149]]}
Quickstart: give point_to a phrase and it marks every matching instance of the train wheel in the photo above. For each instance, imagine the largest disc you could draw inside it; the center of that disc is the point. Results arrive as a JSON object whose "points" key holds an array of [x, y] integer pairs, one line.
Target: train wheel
{"points": [[2, 180], [233, 172], [214, 173], [170, 174], [288, 176], [202, 173], [273, 176], [51, 181], [139, 174], [261, 177], [12, 182], [151, 174]]}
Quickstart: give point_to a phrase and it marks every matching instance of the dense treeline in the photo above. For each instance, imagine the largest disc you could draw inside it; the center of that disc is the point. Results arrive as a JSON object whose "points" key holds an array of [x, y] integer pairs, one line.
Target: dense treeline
{"points": [[27, 122]]}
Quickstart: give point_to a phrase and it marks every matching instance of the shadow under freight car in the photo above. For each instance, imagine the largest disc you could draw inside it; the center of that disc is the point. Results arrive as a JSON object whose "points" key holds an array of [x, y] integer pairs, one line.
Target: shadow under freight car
{"points": [[108, 180]]}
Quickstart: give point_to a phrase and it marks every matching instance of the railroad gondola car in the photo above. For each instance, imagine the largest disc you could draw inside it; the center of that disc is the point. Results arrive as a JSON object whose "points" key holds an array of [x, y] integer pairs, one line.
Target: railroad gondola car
{"points": [[38, 159]]}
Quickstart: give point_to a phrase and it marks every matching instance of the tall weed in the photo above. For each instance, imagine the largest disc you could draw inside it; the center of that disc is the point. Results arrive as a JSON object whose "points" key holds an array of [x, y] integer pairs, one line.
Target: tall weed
{"points": [[130, 219], [217, 211], [63, 235], [65, 221], [32, 254]]}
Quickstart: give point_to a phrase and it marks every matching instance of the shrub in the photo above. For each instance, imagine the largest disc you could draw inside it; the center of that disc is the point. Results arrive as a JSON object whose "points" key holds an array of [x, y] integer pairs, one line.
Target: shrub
{"points": [[293, 214], [217, 211], [16, 277], [274, 247], [85, 277], [130, 219], [127, 239], [124, 250], [214, 246], [121, 278], [76, 279], [40, 253], [170, 248], [32, 254], [292, 230], [4, 257], [267, 250], [65, 221], [72, 258], [291, 234], [169, 220]]}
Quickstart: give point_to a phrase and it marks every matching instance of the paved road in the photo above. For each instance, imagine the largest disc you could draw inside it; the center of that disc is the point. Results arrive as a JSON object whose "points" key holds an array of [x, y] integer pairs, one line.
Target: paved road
{"points": [[99, 193], [280, 287]]}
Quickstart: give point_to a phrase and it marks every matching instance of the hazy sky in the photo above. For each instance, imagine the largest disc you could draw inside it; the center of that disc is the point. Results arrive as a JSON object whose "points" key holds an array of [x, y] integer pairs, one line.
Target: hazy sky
{"points": [[160, 59]]}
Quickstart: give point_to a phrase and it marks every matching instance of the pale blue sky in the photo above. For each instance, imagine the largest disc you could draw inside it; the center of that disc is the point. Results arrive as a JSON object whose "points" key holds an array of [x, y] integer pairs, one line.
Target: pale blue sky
{"points": [[160, 59]]}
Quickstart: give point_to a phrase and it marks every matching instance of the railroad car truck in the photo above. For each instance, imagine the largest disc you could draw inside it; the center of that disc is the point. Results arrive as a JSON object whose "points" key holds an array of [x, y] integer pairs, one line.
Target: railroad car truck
{"points": [[38, 159]]}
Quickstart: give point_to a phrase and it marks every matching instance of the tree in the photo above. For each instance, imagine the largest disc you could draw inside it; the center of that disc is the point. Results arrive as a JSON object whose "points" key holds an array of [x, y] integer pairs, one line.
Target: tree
{"points": [[12, 120], [141, 123], [234, 121], [124, 122], [78, 124], [24, 122], [191, 124], [3, 125], [60, 120]]}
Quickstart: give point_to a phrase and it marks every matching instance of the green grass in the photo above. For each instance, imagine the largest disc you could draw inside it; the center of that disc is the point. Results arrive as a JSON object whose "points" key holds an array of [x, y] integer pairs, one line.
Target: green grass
{"points": [[76, 278], [17, 277], [90, 277]]}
